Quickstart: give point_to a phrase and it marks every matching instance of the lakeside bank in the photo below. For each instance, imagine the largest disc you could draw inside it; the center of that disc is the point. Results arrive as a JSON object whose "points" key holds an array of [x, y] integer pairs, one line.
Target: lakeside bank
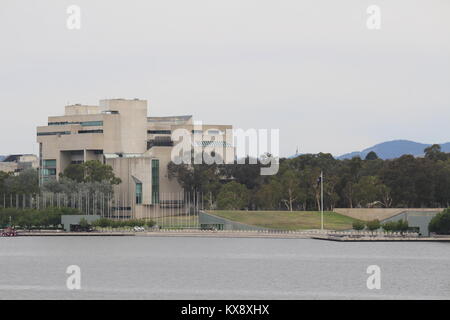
{"points": [[309, 234]]}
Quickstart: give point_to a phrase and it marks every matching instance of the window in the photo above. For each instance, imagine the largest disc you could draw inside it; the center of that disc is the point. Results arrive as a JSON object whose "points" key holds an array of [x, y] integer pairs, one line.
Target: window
{"points": [[48, 172], [160, 141], [48, 169], [92, 123], [82, 123], [58, 123], [214, 132], [90, 131], [159, 131], [49, 163], [197, 131], [155, 181], [110, 112], [53, 133], [138, 193]]}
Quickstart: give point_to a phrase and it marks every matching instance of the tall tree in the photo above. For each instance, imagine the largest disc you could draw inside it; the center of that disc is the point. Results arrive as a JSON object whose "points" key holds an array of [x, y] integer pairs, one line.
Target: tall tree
{"points": [[435, 153], [372, 156], [91, 171]]}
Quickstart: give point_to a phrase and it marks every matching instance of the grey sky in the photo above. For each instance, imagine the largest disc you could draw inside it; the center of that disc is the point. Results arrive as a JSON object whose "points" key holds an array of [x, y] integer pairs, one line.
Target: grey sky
{"points": [[291, 65]]}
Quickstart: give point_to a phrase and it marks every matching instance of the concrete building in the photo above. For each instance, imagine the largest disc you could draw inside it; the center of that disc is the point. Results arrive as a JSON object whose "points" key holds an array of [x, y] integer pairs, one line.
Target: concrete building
{"points": [[118, 132], [18, 162]]}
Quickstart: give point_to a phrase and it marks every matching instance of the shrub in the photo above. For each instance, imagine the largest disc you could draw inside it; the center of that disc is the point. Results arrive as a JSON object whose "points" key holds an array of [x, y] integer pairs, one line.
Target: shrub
{"points": [[402, 226], [389, 226], [105, 222], [29, 218], [102, 223], [358, 225], [84, 224], [150, 223], [373, 225], [396, 226], [440, 223], [134, 223], [117, 224]]}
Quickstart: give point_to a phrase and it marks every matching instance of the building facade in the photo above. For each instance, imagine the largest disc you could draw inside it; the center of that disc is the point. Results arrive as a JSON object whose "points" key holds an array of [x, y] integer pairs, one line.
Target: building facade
{"points": [[16, 163], [119, 132]]}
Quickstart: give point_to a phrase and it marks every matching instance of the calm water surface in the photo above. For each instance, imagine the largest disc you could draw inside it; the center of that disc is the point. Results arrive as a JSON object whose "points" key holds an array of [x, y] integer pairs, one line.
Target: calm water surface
{"points": [[220, 268]]}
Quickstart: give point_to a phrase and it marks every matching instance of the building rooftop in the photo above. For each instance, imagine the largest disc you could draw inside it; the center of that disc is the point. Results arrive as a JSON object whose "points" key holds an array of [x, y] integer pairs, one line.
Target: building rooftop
{"points": [[170, 119], [15, 157]]}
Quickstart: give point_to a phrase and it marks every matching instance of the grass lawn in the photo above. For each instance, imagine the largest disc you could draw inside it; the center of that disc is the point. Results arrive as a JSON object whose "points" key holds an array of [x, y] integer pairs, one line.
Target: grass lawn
{"points": [[177, 222], [285, 220]]}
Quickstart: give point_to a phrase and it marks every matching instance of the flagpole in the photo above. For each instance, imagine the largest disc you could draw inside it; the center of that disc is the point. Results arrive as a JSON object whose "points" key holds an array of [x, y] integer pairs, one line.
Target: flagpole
{"points": [[321, 199]]}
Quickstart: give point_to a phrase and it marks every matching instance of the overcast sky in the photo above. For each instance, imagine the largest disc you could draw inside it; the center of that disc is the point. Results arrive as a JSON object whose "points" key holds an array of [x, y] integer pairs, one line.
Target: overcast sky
{"points": [[310, 68]]}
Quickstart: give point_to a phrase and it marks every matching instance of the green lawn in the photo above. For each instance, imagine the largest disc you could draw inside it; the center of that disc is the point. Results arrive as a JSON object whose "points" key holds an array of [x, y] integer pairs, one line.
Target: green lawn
{"points": [[285, 220], [177, 222]]}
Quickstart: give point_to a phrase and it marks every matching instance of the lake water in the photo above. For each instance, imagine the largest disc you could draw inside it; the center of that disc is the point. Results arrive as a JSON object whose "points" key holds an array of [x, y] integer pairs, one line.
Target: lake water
{"points": [[220, 268]]}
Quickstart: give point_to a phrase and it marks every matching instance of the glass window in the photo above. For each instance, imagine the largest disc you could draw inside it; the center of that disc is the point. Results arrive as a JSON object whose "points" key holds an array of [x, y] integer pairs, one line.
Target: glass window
{"points": [[92, 123], [159, 132], [49, 163], [58, 123], [53, 133], [90, 131], [49, 172], [155, 181], [138, 193]]}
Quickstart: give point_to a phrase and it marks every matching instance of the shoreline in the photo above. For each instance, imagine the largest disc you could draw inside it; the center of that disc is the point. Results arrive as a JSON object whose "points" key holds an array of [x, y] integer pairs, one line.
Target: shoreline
{"points": [[315, 235]]}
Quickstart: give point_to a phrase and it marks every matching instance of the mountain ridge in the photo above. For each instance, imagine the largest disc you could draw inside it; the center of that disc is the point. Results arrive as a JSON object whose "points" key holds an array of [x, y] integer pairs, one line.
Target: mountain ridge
{"points": [[394, 149]]}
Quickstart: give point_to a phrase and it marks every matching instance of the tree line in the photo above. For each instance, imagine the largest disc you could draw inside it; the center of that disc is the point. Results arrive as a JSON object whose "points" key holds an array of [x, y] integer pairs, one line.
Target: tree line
{"points": [[404, 182], [407, 181]]}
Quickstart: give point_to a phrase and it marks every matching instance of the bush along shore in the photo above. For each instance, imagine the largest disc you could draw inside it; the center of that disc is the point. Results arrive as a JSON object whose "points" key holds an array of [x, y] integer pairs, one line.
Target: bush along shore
{"points": [[50, 219]]}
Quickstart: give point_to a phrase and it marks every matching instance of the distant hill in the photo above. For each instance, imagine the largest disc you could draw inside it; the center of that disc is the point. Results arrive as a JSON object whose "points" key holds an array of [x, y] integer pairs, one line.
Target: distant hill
{"points": [[394, 149], [295, 155]]}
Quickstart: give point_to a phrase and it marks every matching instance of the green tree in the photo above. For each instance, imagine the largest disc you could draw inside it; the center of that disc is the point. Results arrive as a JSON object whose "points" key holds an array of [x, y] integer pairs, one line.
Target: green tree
{"points": [[371, 156], [269, 195], [90, 172], [440, 223], [369, 191], [233, 196], [3, 178], [435, 153], [74, 172], [95, 171], [27, 182], [289, 182], [195, 177]]}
